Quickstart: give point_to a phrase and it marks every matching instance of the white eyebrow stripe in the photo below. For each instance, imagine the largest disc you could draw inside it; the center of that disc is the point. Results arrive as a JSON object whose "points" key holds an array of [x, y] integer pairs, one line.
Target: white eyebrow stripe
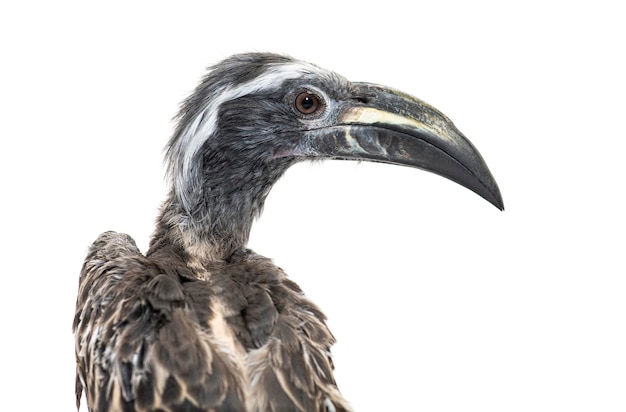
{"points": [[204, 124]]}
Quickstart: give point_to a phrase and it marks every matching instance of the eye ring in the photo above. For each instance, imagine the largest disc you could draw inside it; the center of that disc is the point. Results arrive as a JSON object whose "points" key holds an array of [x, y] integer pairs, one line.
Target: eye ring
{"points": [[308, 103]]}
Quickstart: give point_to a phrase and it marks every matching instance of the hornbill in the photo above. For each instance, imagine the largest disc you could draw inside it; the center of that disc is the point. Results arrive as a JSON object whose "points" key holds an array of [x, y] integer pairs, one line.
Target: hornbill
{"points": [[200, 322]]}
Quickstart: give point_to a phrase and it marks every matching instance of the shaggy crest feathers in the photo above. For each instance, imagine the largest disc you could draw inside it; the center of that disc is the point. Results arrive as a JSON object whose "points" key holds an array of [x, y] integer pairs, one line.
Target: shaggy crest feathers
{"points": [[235, 77]]}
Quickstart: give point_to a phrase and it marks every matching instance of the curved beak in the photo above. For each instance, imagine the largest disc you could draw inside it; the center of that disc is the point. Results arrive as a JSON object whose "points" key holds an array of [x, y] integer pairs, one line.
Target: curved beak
{"points": [[385, 125]]}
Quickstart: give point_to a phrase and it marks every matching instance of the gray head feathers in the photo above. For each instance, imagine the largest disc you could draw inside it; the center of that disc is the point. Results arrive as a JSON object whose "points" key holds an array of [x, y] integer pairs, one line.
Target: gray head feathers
{"points": [[199, 117]]}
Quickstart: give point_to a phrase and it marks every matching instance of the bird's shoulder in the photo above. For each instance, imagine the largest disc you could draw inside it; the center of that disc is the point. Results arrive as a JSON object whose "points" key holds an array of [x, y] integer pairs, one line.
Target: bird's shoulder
{"points": [[140, 339]]}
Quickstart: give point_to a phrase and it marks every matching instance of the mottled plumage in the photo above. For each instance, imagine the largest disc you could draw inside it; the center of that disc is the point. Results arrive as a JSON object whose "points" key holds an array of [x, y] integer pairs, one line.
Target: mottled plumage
{"points": [[200, 322]]}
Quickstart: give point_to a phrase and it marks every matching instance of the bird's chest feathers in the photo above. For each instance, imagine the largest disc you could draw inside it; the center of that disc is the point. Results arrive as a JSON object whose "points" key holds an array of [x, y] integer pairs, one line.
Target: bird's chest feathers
{"points": [[221, 330], [243, 304]]}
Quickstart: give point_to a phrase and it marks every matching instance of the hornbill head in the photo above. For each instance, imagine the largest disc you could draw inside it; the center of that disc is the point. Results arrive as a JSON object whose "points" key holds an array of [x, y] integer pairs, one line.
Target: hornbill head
{"points": [[254, 115]]}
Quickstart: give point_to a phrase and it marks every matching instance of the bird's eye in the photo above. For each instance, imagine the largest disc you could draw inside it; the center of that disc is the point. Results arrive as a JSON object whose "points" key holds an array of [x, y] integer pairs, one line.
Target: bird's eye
{"points": [[308, 103]]}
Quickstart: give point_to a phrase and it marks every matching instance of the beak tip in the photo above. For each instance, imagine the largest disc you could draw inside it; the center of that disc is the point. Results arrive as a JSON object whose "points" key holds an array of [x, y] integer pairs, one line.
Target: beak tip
{"points": [[496, 199]]}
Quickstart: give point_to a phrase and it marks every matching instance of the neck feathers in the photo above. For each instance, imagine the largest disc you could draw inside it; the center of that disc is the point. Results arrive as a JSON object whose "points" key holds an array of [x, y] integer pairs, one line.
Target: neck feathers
{"points": [[218, 177], [228, 201]]}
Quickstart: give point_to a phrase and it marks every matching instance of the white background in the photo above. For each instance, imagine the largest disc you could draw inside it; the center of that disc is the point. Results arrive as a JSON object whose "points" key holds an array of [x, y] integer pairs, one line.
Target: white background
{"points": [[439, 302]]}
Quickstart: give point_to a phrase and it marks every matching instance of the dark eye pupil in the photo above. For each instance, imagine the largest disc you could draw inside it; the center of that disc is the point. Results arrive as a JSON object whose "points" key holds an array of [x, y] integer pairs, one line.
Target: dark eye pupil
{"points": [[307, 103]]}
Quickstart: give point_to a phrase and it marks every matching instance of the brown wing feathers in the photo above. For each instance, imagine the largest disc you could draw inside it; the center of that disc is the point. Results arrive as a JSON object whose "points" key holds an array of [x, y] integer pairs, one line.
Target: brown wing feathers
{"points": [[140, 343], [144, 338]]}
